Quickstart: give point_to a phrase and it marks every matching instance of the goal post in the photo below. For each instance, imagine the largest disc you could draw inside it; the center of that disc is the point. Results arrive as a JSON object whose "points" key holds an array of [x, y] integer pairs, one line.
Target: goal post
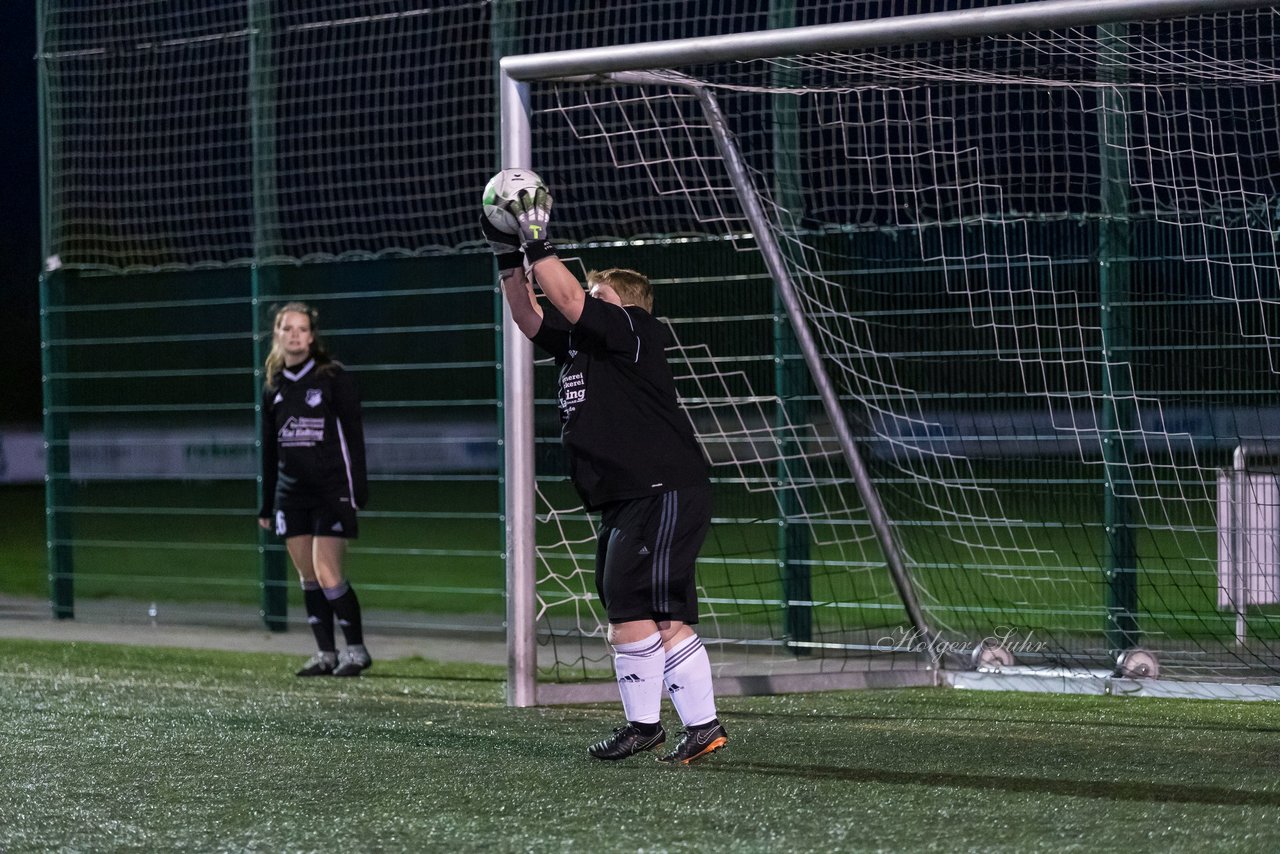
{"points": [[1097, 402], [517, 433]]}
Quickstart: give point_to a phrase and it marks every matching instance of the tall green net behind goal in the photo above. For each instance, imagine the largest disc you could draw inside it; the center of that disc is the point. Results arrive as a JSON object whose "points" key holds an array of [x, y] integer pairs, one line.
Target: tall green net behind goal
{"points": [[1040, 270], [202, 164]]}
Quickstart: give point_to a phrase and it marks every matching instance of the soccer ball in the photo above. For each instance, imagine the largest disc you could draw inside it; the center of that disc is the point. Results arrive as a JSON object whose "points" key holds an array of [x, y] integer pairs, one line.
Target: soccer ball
{"points": [[503, 189]]}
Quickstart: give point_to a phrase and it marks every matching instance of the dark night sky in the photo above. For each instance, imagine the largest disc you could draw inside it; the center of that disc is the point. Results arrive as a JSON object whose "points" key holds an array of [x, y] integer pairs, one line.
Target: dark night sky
{"points": [[20, 216]]}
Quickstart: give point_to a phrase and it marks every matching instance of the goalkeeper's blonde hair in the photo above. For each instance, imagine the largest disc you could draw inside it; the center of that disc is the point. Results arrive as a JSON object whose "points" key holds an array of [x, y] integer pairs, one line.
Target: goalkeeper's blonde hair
{"points": [[632, 287]]}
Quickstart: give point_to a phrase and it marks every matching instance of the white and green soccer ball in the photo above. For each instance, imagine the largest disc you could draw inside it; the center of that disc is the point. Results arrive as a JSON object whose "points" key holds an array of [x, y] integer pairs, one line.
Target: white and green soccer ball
{"points": [[501, 190]]}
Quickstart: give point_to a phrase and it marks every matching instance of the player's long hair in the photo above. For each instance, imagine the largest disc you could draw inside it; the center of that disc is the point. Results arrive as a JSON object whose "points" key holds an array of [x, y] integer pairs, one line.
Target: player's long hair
{"points": [[274, 364]]}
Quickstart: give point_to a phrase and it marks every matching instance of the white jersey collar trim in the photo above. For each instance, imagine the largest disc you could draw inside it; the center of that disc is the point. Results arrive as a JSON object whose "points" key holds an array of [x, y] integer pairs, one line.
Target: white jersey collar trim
{"points": [[294, 376]]}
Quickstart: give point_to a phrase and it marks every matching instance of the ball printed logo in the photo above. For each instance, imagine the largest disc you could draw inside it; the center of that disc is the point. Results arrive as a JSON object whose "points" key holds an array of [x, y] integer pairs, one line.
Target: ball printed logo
{"points": [[313, 397], [502, 190]]}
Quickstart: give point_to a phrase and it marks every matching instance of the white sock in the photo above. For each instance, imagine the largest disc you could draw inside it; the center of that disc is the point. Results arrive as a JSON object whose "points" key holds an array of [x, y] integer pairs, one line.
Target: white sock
{"points": [[639, 669], [688, 680]]}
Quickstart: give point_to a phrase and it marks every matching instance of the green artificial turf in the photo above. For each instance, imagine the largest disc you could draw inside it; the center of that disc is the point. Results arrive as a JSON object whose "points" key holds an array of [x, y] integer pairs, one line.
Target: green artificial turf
{"points": [[23, 560], [437, 547], [129, 748]]}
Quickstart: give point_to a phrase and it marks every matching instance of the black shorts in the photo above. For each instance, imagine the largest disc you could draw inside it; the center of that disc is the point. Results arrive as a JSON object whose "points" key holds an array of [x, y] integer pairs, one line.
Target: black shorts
{"points": [[334, 518], [646, 552]]}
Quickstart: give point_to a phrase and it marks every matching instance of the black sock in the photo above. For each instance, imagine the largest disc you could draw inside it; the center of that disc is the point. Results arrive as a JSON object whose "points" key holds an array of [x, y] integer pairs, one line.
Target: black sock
{"points": [[646, 729], [347, 609], [319, 615]]}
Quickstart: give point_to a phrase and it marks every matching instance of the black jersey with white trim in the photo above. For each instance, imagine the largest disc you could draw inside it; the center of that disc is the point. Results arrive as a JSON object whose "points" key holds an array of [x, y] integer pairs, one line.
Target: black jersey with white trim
{"points": [[622, 426], [312, 439]]}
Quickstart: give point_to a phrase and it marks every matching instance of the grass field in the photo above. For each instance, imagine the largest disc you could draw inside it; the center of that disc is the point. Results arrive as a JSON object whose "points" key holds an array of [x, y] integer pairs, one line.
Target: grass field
{"points": [[23, 562], [435, 548], [422, 546], [132, 748]]}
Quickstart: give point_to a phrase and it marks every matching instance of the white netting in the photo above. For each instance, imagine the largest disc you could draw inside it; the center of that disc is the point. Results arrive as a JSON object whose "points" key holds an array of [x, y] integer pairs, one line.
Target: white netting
{"points": [[1042, 273]]}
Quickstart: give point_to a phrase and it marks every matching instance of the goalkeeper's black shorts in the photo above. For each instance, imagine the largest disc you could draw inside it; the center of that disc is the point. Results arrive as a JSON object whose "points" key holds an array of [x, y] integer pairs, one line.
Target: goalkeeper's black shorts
{"points": [[646, 552]]}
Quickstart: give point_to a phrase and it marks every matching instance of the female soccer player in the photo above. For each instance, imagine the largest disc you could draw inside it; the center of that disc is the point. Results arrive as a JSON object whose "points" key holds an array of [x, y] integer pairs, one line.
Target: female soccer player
{"points": [[634, 458], [314, 480]]}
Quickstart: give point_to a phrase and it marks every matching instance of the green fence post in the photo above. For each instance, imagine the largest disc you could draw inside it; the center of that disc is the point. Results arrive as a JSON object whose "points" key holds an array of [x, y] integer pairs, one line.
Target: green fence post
{"points": [[1119, 417], [789, 368], [794, 535], [57, 441], [264, 279], [504, 32], [55, 282], [271, 561]]}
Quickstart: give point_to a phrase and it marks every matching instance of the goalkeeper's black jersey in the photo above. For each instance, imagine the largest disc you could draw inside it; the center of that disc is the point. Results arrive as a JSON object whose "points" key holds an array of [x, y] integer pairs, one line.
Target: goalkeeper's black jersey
{"points": [[623, 430], [312, 439]]}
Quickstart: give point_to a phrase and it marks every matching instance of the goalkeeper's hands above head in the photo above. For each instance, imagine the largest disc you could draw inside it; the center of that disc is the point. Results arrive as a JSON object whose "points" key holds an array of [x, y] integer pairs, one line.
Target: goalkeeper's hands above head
{"points": [[533, 213], [505, 246]]}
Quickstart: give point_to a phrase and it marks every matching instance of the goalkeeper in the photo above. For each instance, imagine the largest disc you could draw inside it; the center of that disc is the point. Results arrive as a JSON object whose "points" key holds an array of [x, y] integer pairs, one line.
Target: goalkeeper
{"points": [[634, 459]]}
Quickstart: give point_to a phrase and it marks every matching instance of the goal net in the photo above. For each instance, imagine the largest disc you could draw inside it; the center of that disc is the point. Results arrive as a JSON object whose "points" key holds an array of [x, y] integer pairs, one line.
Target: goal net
{"points": [[1038, 269]]}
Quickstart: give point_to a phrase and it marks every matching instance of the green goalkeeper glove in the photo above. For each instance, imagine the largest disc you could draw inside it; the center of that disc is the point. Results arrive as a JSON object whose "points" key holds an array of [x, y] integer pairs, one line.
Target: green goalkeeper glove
{"points": [[505, 246], [533, 213]]}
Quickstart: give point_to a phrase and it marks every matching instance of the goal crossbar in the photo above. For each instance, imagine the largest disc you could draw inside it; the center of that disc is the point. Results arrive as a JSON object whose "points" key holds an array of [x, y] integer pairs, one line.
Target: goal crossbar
{"points": [[857, 35]]}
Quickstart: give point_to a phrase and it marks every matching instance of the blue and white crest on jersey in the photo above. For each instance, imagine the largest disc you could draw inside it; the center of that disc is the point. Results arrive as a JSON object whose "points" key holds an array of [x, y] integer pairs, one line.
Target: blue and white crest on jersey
{"points": [[313, 397]]}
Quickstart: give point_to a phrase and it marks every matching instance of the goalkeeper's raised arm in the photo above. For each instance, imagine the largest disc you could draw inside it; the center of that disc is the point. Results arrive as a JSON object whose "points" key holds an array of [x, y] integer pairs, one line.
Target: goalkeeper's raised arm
{"points": [[529, 217], [516, 288], [532, 212]]}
